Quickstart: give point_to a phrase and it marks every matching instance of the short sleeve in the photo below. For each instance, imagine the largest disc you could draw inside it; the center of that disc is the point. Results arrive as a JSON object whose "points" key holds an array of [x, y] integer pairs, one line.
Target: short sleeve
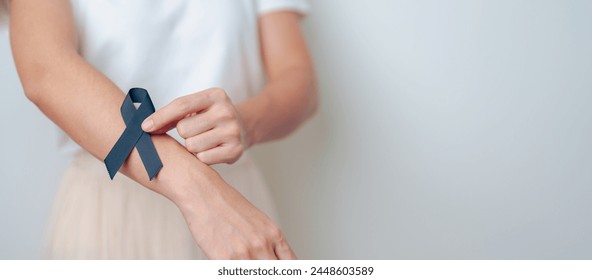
{"points": [[267, 6], [3, 13]]}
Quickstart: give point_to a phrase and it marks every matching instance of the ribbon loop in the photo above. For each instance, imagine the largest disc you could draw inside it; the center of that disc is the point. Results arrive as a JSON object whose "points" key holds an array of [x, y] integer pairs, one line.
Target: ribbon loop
{"points": [[134, 136]]}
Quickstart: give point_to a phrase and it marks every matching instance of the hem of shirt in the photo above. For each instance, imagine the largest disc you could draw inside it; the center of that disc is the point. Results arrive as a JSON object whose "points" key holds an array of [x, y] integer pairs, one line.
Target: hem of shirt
{"points": [[302, 9]]}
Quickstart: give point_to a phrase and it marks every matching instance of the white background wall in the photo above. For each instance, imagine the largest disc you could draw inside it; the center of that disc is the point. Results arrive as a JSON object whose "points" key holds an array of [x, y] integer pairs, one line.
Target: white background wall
{"points": [[448, 129], [30, 166]]}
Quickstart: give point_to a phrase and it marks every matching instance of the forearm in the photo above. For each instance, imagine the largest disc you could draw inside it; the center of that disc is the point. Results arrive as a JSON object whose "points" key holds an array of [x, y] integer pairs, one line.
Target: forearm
{"points": [[85, 104], [290, 96], [80, 99], [284, 103]]}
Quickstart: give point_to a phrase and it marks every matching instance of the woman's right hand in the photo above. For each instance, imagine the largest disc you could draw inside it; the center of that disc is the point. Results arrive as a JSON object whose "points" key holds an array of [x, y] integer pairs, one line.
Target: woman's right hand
{"points": [[44, 44], [224, 223]]}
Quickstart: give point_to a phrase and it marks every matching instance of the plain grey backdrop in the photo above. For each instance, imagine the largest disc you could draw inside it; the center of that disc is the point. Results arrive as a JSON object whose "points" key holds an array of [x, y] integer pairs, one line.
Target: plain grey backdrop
{"points": [[447, 129]]}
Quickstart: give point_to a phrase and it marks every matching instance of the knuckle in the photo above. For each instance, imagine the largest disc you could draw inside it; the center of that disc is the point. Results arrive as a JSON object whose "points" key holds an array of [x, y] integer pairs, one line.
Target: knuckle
{"points": [[240, 253], [216, 93], [225, 113], [203, 158], [182, 104], [221, 93], [225, 97], [234, 130], [234, 153], [276, 233], [182, 129], [240, 146], [258, 244], [238, 149], [190, 145], [232, 160]]}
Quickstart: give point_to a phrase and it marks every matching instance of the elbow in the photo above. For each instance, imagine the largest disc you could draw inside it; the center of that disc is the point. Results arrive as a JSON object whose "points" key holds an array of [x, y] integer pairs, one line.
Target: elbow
{"points": [[32, 93], [32, 72], [39, 73], [34, 80]]}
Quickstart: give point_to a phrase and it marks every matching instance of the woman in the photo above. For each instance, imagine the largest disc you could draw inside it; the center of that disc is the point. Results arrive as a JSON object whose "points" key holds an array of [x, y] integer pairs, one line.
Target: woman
{"points": [[225, 74]]}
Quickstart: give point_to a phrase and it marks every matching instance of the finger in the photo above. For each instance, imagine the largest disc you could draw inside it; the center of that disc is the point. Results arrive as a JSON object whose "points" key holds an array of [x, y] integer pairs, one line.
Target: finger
{"points": [[203, 142], [238, 251], [220, 154], [175, 111], [170, 126], [261, 249], [266, 253], [163, 129], [283, 251], [196, 124]]}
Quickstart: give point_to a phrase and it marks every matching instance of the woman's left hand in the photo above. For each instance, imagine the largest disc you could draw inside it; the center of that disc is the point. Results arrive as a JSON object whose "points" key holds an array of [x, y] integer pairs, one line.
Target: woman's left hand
{"points": [[209, 123]]}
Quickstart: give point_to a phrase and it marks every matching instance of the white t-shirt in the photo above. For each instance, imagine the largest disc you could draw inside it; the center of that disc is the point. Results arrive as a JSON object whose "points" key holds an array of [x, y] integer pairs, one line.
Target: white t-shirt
{"points": [[175, 47]]}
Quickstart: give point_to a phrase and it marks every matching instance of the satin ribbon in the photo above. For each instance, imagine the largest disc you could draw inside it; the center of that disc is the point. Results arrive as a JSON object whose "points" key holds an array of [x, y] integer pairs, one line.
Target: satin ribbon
{"points": [[134, 136]]}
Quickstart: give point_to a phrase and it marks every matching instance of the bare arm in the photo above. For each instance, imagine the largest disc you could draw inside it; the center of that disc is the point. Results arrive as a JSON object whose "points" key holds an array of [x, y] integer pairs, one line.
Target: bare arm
{"points": [[73, 94], [85, 104], [290, 96], [217, 131]]}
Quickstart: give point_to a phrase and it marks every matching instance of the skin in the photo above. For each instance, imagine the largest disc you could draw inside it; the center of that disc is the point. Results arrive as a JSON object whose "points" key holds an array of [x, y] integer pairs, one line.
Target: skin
{"points": [[216, 131], [223, 223]]}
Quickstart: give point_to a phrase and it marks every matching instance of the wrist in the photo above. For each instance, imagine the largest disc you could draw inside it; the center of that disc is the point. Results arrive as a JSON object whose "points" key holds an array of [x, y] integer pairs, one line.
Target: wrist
{"points": [[183, 177], [191, 184], [251, 117], [246, 136], [194, 186]]}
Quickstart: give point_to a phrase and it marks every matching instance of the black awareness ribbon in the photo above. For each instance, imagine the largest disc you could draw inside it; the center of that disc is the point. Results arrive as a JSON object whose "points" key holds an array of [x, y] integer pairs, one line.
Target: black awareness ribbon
{"points": [[134, 136]]}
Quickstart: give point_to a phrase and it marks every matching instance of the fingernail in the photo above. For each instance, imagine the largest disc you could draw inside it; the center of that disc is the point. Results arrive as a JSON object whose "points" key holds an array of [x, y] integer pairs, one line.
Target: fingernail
{"points": [[147, 124]]}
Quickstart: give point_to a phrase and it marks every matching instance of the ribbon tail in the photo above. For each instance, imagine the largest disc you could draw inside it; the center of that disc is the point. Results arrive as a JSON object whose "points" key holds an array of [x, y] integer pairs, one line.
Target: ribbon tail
{"points": [[149, 156], [122, 148]]}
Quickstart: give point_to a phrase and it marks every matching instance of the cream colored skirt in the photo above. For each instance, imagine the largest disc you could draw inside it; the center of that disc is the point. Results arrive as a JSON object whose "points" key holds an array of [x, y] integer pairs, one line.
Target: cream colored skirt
{"points": [[96, 218]]}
